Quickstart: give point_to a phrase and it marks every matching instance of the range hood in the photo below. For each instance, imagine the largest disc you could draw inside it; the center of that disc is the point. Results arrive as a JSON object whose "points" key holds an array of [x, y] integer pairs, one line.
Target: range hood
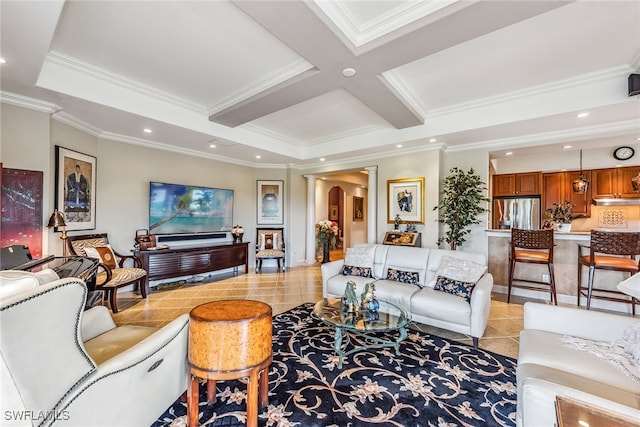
{"points": [[616, 202]]}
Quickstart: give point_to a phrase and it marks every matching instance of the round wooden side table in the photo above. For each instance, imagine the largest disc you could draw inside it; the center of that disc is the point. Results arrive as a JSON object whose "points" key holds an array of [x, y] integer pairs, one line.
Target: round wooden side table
{"points": [[230, 339]]}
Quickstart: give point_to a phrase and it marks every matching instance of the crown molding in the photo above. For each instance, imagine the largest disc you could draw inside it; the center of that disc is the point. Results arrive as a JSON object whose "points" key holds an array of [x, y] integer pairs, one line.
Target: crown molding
{"points": [[362, 33], [76, 123], [171, 148], [256, 87], [393, 79], [29, 103], [550, 137], [609, 73], [78, 66]]}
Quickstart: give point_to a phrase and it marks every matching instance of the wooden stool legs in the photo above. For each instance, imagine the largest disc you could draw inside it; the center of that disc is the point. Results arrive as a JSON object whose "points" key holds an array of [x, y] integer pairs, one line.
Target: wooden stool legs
{"points": [[257, 394]]}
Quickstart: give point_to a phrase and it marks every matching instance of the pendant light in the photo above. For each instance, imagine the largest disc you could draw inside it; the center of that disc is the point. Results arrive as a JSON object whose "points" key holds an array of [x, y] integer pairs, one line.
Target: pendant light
{"points": [[580, 185]]}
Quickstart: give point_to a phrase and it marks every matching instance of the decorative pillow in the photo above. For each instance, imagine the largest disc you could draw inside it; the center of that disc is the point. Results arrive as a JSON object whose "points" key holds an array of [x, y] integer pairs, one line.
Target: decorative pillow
{"points": [[104, 254], [360, 256], [455, 287], [350, 270], [269, 241], [411, 277], [461, 270]]}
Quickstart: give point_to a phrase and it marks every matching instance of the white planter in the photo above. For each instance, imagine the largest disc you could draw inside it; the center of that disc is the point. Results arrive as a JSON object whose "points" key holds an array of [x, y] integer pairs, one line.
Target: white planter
{"points": [[564, 228]]}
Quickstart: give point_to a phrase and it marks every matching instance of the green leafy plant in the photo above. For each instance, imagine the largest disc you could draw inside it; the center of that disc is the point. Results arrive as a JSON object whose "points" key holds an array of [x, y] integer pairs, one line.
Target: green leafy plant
{"points": [[460, 205]]}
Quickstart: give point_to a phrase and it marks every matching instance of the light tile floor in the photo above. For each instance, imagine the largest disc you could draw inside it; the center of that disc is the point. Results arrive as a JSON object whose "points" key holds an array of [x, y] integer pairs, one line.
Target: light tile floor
{"points": [[284, 291]]}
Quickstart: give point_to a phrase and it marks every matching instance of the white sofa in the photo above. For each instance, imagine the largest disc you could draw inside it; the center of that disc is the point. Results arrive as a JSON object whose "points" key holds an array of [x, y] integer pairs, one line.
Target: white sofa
{"points": [[62, 365], [548, 366], [426, 305]]}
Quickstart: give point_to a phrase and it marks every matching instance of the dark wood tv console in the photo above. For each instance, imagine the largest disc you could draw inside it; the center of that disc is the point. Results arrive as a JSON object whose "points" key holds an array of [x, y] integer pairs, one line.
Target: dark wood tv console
{"points": [[168, 263]]}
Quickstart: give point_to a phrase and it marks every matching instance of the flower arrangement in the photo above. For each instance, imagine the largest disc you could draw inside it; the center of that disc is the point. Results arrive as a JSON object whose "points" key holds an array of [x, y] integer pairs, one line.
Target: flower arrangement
{"points": [[327, 231], [237, 233], [560, 213]]}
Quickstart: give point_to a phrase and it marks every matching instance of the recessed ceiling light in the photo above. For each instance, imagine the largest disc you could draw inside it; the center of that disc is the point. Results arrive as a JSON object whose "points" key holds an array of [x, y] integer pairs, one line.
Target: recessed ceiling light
{"points": [[508, 153], [212, 145], [399, 146], [582, 115], [432, 140], [583, 423], [258, 156], [324, 178], [322, 159], [349, 72], [147, 130], [566, 147], [3, 61]]}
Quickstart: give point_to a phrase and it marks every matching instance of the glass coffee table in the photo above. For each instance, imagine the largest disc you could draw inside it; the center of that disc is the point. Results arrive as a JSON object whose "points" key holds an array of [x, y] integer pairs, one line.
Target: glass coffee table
{"points": [[389, 318]]}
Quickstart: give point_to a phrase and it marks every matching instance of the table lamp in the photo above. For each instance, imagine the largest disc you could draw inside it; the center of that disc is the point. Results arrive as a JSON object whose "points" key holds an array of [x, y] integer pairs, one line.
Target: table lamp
{"points": [[57, 220]]}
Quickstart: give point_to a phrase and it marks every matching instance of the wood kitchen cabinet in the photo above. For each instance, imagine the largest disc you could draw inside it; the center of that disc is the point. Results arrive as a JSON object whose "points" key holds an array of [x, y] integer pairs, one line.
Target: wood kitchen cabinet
{"points": [[557, 188], [517, 184], [614, 183]]}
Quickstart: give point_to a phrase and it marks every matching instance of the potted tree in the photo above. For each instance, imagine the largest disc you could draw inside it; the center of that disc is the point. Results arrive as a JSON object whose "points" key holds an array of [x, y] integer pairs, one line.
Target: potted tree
{"points": [[460, 205]]}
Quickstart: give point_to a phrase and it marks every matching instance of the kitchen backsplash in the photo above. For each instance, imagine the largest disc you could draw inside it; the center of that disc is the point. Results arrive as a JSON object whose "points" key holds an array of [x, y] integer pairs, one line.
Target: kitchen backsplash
{"points": [[623, 218]]}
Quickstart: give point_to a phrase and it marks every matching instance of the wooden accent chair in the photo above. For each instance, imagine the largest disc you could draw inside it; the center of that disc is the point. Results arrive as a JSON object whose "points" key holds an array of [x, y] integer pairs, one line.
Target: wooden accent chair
{"points": [[533, 247], [270, 245], [608, 250], [112, 273]]}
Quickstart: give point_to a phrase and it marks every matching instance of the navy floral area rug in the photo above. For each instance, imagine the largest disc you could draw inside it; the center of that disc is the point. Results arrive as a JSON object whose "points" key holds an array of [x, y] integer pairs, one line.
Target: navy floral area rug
{"points": [[434, 382]]}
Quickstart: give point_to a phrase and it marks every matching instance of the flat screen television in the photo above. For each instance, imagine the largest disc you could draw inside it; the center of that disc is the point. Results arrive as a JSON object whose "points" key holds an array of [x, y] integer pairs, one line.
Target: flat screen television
{"points": [[187, 209]]}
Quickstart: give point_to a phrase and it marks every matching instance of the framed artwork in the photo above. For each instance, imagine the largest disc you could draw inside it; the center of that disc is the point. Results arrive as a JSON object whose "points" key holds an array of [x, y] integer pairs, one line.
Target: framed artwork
{"points": [[270, 202], [76, 188], [21, 204], [405, 198], [333, 212], [358, 208]]}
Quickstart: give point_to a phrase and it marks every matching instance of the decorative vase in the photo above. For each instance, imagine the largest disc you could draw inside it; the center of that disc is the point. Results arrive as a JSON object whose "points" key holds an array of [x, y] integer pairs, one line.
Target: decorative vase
{"points": [[373, 305], [237, 238], [325, 252], [564, 228]]}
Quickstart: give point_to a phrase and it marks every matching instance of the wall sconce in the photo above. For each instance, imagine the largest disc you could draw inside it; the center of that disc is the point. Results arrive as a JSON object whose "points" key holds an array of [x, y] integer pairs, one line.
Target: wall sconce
{"points": [[580, 185], [57, 220]]}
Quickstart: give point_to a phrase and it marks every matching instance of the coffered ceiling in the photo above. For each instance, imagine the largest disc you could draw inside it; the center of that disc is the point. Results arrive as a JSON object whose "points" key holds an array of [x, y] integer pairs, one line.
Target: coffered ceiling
{"points": [[294, 81]]}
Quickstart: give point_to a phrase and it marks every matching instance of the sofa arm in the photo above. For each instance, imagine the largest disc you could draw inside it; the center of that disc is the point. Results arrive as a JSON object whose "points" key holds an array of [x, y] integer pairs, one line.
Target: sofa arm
{"points": [[177, 328], [593, 325], [330, 269], [95, 321], [481, 305]]}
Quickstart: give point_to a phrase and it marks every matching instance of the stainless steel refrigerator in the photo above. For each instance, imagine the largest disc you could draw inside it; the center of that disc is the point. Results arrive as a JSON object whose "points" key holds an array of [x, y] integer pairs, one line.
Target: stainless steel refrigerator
{"points": [[516, 212]]}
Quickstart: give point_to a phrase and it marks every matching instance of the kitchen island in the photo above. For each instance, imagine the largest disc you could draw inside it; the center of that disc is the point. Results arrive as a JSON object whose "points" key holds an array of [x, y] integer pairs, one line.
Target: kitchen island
{"points": [[565, 262]]}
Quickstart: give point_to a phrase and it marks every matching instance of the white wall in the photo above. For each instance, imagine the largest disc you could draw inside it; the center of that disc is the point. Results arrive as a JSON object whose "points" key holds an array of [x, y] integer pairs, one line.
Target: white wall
{"points": [[477, 241], [597, 158], [24, 144], [124, 172]]}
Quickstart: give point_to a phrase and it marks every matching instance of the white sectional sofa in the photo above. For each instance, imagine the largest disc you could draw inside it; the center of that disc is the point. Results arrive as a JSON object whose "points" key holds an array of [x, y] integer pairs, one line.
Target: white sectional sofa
{"points": [[550, 364], [426, 305]]}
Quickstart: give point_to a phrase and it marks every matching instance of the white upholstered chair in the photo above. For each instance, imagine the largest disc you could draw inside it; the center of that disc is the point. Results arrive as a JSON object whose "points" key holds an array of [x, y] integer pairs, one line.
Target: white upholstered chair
{"points": [[77, 366]]}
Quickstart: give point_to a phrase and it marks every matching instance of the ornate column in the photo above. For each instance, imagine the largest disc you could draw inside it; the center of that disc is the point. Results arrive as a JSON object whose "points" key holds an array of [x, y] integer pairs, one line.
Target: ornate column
{"points": [[311, 220], [372, 204]]}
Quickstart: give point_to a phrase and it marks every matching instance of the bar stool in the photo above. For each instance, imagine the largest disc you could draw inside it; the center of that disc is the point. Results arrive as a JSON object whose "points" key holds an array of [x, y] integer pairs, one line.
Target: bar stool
{"points": [[608, 250], [230, 339], [533, 247]]}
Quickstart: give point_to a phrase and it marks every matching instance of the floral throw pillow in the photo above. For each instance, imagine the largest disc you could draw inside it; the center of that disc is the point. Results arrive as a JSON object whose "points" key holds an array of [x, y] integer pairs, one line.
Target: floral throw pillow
{"points": [[350, 270], [411, 277], [455, 287]]}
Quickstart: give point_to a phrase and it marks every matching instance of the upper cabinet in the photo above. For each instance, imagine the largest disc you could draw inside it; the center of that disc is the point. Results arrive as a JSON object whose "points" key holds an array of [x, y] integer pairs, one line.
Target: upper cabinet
{"points": [[557, 188], [517, 184], [614, 183]]}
